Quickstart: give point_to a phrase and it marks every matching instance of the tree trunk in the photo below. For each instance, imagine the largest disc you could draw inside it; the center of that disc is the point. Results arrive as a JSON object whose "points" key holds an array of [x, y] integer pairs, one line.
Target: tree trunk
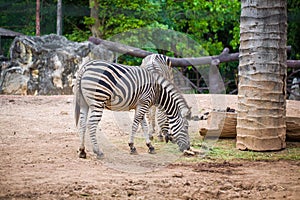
{"points": [[261, 120], [37, 18], [94, 5], [59, 18]]}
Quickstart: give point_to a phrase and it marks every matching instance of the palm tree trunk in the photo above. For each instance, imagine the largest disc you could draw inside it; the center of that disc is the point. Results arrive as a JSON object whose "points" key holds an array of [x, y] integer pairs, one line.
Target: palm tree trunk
{"points": [[261, 122]]}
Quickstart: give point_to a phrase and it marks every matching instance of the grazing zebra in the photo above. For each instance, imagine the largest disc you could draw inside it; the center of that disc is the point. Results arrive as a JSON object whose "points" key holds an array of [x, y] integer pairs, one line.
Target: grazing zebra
{"points": [[161, 65], [100, 85]]}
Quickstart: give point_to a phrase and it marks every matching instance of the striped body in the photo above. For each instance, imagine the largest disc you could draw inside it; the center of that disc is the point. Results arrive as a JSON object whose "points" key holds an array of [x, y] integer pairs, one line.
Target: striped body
{"points": [[101, 85], [160, 65]]}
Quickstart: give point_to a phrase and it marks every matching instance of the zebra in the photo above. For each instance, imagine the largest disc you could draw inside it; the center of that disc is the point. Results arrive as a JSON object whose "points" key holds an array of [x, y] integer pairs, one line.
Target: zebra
{"points": [[159, 64], [102, 85]]}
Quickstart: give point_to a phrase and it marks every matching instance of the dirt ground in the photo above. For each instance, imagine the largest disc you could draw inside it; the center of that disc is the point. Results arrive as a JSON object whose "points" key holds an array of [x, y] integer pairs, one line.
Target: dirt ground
{"points": [[38, 160]]}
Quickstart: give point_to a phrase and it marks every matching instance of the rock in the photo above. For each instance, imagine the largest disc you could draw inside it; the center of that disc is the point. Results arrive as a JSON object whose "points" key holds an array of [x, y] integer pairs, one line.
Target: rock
{"points": [[188, 153], [187, 196], [177, 175], [192, 152], [16, 83], [46, 65]]}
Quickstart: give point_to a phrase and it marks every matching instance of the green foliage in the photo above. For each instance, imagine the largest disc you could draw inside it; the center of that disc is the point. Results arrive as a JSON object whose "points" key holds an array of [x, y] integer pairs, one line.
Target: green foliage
{"points": [[79, 35], [89, 21], [121, 16], [205, 21], [214, 24], [18, 16], [293, 38]]}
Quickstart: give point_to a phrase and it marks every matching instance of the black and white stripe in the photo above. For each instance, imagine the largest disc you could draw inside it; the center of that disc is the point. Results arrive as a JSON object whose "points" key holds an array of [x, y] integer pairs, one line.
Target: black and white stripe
{"points": [[161, 65], [101, 85]]}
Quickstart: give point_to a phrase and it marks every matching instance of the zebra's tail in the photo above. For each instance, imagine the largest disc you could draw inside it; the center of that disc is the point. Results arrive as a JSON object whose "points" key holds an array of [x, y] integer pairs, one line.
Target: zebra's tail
{"points": [[77, 109], [78, 94]]}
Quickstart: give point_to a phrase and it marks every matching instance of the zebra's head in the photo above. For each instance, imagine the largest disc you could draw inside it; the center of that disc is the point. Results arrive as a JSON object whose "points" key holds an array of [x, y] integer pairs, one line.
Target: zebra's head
{"points": [[182, 138]]}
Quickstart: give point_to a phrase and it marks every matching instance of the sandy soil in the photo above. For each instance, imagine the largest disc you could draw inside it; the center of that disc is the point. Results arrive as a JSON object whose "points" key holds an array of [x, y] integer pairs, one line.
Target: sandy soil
{"points": [[38, 160]]}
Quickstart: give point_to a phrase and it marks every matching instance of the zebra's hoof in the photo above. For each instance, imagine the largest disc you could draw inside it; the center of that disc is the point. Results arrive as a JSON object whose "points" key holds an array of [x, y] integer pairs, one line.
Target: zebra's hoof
{"points": [[132, 148], [151, 150], [168, 138], [82, 154], [133, 151]]}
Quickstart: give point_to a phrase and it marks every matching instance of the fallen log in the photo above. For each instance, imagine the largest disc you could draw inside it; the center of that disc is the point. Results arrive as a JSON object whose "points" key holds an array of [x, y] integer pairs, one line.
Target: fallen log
{"points": [[223, 125], [293, 128], [224, 121]]}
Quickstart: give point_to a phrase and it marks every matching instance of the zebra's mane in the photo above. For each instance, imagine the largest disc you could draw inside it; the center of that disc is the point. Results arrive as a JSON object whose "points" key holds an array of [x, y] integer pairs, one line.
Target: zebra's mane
{"points": [[171, 88], [159, 64]]}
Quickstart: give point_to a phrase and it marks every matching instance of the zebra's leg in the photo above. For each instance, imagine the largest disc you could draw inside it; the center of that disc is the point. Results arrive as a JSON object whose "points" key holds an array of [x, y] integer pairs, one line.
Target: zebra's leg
{"points": [[151, 121], [138, 117], [163, 123], [82, 129], [94, 119], [147, 136]]}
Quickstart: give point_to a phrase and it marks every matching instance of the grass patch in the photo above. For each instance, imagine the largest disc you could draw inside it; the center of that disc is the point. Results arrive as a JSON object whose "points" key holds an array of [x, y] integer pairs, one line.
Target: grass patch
{"points": [[221, 150], [224, 150]]}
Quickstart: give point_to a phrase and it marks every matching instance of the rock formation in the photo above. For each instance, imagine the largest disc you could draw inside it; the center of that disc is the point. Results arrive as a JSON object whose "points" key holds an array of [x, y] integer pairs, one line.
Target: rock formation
{"points": [[46, 65]]}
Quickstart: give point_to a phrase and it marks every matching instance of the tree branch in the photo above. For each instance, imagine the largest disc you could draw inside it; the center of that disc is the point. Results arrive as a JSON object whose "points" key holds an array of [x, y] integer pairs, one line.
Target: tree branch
{"points": [[293, 63], [120, 48], [225, 56]]}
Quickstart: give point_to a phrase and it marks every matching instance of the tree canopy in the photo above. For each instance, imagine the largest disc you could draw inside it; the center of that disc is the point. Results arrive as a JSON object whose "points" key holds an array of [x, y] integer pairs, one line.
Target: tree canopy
{"points": [[214, 24]]}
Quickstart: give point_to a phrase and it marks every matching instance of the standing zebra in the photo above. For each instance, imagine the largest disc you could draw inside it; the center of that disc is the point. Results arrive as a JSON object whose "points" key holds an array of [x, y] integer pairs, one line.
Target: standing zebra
{"points": [[100, 85], [161, 65]]}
